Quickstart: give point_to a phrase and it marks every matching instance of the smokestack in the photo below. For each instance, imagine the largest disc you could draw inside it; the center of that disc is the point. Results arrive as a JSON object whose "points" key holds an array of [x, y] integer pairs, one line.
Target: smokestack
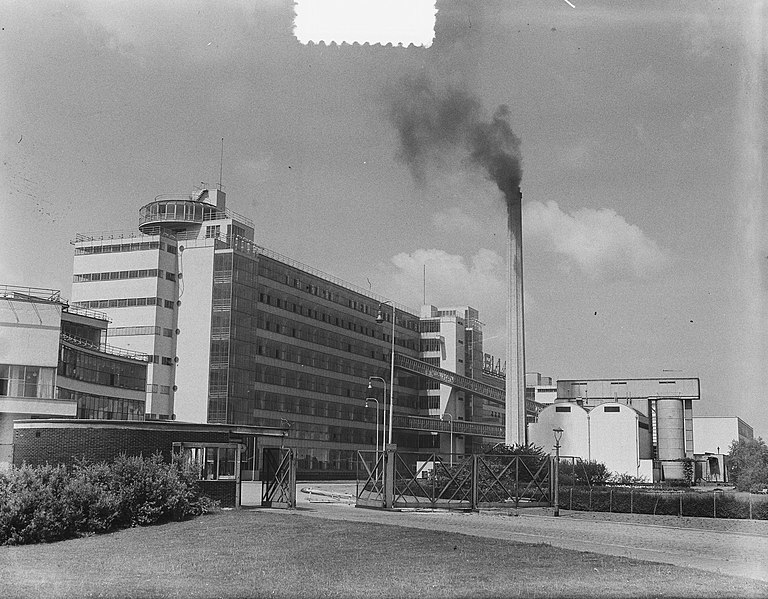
{"points": [[514, 422], [431, 121]]}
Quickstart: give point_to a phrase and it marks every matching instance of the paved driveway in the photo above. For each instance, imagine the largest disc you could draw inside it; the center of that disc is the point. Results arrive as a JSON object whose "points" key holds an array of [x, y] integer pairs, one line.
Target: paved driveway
{"points": [[738, 548]]}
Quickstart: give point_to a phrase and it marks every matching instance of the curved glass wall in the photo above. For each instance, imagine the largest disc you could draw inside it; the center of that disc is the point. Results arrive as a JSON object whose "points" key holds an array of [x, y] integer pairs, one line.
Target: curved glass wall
{"points": [[185, 211]]}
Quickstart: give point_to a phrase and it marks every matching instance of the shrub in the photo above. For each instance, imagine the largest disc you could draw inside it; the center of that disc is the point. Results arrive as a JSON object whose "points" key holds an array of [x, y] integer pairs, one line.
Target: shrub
{"points": [[581, 472], [748, 464], [49, 503]]}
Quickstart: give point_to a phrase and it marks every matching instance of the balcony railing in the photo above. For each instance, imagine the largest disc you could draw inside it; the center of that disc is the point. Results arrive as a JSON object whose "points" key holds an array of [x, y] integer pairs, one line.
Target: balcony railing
{"points": [[86, 312], [186, 209], [106, 349]]}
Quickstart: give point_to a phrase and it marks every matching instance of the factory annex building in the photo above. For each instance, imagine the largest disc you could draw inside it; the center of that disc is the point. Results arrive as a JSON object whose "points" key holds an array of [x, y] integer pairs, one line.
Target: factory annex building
{"points": [[237, 334]]}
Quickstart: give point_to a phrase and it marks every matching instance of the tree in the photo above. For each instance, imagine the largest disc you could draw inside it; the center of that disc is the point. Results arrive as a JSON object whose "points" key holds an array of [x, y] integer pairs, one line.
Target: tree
{"points": [[748, 464]]}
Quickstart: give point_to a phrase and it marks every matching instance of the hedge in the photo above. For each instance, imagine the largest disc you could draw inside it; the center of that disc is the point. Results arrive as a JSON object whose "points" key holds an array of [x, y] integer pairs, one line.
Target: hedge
{"points": [[673, 503], [51, 503]]}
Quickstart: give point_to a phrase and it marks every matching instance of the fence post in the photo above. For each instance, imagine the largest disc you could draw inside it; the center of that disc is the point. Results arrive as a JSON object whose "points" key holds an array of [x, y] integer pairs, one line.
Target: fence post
{"points": [[610, 500], [473, 491], [571, 502], [631, 501], [389, 476], [680, 509], [750, 505], [590, 499], [714, 504]]}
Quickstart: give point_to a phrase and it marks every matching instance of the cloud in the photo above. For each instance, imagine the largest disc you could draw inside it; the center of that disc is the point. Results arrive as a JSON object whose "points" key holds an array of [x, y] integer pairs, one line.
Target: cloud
{"points": [[600, 243], [451, 279]]}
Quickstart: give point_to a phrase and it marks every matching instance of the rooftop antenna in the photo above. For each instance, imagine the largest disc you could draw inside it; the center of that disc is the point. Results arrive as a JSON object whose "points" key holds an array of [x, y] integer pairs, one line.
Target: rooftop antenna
{"points": [[425, 284], [221, 162]]}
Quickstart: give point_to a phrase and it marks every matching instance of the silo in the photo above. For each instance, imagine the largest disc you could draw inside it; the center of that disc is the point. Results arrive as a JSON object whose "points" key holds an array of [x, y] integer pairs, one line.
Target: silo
{"points": [[670, 436]]}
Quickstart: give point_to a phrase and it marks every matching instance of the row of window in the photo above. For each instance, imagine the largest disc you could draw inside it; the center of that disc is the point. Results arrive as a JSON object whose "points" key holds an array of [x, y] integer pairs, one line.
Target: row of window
{"points": [[273, 375], [118, 275], [107, 248], [290, 404], [291, 304], [102, 407], [128, 302], [318, 336], [26, 381], [283, 274], [148, 330], [161, 389], [101, 370], [307, 357]]}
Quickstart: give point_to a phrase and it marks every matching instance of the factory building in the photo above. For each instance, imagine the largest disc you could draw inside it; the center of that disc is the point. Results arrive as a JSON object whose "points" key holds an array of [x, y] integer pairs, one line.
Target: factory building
{"points": [[54, 362], [641, 427], [238, 334], [712, 438]]}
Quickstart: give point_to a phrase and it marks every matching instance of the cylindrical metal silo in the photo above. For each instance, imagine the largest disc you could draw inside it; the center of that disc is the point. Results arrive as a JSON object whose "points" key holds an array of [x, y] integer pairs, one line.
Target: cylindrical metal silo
{"points": [[670, 436]]}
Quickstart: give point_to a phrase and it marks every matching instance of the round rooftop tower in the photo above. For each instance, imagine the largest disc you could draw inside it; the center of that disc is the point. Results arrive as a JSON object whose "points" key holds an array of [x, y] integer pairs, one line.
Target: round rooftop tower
{"points": [[177, 212]]}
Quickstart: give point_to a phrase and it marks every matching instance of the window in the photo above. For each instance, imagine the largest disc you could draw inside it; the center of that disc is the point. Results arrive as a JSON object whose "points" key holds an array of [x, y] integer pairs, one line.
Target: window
{"points": [[212, 231], [563, 409]]}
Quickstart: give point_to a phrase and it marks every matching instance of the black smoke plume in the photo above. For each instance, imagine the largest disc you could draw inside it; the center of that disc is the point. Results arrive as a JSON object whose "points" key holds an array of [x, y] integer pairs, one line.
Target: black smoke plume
{"points": [[432, 122]]}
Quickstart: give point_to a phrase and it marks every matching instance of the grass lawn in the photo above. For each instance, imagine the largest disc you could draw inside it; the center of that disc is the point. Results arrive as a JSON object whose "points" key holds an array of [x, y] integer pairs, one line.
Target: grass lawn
{"points": [[280, 554]]}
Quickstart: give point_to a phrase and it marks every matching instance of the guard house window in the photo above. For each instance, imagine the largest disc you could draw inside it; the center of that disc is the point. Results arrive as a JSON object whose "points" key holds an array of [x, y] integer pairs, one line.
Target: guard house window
{"points": [[212, 231], [563, 409]]}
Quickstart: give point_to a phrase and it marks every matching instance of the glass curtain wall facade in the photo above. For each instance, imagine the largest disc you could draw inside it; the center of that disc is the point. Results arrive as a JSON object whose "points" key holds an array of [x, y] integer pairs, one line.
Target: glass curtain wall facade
{"points": [[290, 348]]}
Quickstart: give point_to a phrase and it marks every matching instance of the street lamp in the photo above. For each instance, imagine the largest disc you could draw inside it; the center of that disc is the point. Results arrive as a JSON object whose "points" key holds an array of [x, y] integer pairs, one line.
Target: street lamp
{"points": [[558, 433], [451, 437], [367, 399], [384, 403], [380, 319]]}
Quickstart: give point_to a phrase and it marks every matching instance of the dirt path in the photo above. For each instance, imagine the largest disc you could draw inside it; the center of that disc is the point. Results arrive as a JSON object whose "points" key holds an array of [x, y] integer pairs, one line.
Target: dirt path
{"points": [[732, 547]]}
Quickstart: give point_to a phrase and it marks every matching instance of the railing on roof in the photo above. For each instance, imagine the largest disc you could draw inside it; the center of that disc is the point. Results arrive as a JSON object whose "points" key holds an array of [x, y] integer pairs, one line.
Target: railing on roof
{"points": [[86, 312], [40, 293], [105, 349], [117, 235]]}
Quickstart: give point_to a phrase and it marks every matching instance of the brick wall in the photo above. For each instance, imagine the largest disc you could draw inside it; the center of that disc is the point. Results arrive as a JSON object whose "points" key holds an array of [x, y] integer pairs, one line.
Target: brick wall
{"points": [[54, 445], [57, 444]]}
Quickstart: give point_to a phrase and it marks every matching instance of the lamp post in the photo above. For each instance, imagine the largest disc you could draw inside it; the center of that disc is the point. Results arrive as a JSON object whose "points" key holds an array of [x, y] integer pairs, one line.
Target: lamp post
{"points": [[376, 460], [451, 437], [558, 433], [380, 319], [384, 403]]}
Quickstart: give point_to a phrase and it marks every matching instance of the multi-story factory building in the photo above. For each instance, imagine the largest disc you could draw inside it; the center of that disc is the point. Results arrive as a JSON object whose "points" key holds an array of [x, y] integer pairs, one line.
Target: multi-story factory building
{"points": [[55, 363], [238, 334]]}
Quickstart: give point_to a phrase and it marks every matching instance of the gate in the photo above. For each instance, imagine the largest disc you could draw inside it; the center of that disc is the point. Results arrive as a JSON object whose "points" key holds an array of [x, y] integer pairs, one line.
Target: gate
{"points": [[516, 480], [370, 479], [278, 482], [409, 480]]}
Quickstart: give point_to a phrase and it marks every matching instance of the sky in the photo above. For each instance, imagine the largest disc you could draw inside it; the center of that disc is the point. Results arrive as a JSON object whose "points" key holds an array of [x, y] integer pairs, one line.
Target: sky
{"points": [[641, 135]]}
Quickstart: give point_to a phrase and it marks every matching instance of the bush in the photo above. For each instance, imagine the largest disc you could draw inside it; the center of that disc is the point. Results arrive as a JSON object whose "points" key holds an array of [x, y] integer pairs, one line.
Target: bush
{"points": [[748, 464], [661, 502], [50, 503], [589, 473]]}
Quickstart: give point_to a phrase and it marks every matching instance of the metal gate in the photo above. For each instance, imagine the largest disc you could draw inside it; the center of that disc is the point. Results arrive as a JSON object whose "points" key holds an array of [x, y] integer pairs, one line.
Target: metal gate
{"points": [[278, 482], [370, 479], [409, 480]]}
